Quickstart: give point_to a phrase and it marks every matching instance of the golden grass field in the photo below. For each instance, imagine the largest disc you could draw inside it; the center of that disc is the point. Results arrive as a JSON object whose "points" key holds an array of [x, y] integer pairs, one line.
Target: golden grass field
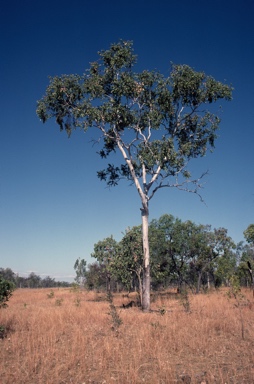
{"points": [[74, 342]]}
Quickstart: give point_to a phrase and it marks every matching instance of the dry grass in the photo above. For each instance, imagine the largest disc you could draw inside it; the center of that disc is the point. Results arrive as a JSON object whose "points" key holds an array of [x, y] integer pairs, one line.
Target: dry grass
{"points": [[74, 342]]}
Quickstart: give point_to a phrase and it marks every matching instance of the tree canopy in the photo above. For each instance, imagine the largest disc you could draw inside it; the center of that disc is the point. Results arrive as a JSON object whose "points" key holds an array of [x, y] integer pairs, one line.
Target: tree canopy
{"points": [[127, 107]]}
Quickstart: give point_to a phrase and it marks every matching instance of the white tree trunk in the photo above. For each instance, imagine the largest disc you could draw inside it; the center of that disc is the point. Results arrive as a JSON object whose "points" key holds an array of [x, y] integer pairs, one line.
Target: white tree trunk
{"points": [[208, 280], [146, 269], [145, 217]]}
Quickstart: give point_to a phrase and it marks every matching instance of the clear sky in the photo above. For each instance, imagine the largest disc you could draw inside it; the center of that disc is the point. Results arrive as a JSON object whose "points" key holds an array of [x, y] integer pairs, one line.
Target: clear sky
{"points": [[53, 209]]}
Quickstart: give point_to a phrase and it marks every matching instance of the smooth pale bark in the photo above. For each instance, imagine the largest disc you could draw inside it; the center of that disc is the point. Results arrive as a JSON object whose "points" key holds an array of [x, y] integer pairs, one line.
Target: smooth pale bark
{"points": [[145, 300], [146, 271], [208, 280], [138, 274]]}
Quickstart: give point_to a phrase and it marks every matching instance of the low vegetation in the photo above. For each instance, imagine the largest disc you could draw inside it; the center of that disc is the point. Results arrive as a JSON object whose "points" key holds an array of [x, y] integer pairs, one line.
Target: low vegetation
{"points": [[46, 343]]}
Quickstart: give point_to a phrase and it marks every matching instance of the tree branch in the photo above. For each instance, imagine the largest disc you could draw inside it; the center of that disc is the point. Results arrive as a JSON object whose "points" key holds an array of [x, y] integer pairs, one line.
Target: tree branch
{"points": [[181, 187]]}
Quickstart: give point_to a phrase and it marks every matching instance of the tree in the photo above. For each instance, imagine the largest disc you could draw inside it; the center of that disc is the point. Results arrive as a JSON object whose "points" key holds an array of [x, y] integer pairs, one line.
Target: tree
{"points": [[212, 249], [249, 234], [6, 289], [246, 263], [167, 251], [33, 280], [96, 276], [104, 252], [8, 274], [173, 249], [225, 268], [80, 268], [48, 282], [127, 265], [156, 123]]}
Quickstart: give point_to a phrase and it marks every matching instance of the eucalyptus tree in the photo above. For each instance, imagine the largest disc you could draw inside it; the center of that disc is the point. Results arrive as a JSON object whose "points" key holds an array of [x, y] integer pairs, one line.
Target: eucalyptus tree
{"points": [[249, 234], [212, 250], [156, 123], [34, 281], [105, 252], [80, 269], [96, 276], [246, 263], [224, 268]]}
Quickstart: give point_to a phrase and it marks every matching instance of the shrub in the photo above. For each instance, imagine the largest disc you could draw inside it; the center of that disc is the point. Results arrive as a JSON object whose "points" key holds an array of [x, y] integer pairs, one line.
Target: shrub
{"points": [[6, 289]]}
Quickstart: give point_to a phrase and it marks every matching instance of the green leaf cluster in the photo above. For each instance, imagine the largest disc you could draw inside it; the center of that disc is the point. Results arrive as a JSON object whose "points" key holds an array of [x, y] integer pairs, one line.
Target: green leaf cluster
{"points": [[80, 269], [249, 234], [6, 289]]}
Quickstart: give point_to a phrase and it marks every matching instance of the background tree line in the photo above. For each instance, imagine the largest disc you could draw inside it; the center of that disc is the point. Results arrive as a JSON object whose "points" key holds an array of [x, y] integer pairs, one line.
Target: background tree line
{"points": [[32, 281], [183, 254]]}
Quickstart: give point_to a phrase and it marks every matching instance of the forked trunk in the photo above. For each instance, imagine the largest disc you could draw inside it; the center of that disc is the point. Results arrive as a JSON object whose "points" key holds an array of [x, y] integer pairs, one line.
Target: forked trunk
{"points": [[146, 269]]}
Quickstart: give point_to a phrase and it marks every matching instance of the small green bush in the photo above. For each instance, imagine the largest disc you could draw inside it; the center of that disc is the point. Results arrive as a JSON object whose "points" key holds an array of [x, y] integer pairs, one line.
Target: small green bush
{"points": [[58, 302], [6, 289], [51, 294]]}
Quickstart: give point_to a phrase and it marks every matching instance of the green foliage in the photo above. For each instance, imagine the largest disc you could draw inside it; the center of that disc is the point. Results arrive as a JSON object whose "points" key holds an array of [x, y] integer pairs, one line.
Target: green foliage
{"points": [[249, 234], [6, 289], [75, 288], [127, 265], [58, 302], [34, 281], [182, 253], [96, 276], [51, 295], [112, 98], [236, 293], [105, 252], [246, 264], [6, 328], [115, 318], [8, 274], [225, 267], [2, 332], [235, 288], [80, 268]]}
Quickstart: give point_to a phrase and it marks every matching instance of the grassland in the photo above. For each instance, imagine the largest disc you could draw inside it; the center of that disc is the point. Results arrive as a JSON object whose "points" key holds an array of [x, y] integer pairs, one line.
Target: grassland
{"points": [[69, 337]]}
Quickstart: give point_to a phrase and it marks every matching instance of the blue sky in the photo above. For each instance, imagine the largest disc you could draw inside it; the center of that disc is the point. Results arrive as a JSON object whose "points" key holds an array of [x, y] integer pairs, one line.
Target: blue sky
{"points": [[52, 206]]}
